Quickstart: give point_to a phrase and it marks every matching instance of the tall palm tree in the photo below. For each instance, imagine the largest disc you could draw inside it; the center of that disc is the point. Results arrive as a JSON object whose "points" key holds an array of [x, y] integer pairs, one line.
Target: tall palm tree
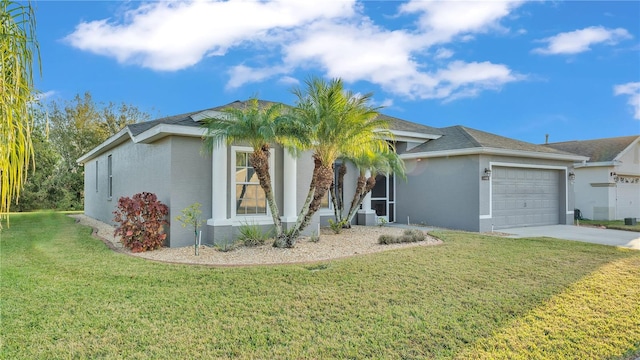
{"points": [[259, 125], [378, 163], [18, 46], [340, 124]]}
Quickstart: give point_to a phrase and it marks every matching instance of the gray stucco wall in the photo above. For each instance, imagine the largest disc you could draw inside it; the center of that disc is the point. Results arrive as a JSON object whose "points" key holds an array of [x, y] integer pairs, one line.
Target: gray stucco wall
{"points": [[173, 168], [190, 183], [135, 168], [441, 192]]}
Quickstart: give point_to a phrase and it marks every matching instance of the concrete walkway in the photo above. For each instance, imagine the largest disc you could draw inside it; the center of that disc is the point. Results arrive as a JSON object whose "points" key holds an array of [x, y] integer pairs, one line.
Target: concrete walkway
{"points": [[628, 239]]}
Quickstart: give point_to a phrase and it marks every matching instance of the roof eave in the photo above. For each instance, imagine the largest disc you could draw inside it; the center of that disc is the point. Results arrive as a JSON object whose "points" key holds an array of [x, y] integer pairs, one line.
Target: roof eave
{"points": [[163, 130], [494, 151], [146, 137], [627, 149], [115, 140]]}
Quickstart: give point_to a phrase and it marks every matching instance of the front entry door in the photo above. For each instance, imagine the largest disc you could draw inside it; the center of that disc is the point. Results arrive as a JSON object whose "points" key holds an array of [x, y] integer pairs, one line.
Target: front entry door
{"points": [[383, 198]]}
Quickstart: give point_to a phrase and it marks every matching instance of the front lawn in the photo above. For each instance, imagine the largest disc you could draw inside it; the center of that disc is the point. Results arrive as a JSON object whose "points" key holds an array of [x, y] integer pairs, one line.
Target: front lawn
{"points": [[64, 294]]}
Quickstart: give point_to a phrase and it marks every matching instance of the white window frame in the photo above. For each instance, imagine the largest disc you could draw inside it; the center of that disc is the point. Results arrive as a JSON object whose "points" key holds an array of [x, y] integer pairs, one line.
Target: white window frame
{"points": [[261, 219]]}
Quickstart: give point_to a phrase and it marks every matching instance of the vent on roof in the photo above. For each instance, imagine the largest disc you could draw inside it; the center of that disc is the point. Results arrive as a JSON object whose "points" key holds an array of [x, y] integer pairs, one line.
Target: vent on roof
{"points": [[208, 114]]}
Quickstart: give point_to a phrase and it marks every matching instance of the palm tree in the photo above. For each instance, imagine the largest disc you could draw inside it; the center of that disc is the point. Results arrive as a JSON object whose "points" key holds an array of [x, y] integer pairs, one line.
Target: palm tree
{"points": [[378, 163], [259, 125], [18, 47], [340, 124]]}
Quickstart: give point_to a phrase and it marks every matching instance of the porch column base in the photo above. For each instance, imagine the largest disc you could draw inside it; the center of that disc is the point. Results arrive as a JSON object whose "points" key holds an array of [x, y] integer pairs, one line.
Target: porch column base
{"points": [[367, 217]]}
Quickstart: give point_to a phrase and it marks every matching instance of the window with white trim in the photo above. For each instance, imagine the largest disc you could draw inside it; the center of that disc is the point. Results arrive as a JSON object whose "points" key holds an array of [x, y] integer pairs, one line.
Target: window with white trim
{"points": [[249, 197]]}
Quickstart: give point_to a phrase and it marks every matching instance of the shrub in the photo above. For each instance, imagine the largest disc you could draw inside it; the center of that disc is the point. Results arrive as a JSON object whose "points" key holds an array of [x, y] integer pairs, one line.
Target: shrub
{"points": [[414, 235], [252, 235], [337, 226], [142, 220], [409, 235], [386, 239], [314, 237]]}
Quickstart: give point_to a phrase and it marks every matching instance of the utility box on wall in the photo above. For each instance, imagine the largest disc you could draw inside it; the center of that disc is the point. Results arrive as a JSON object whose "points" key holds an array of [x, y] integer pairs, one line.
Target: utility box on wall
{"points": [[630, 221]]}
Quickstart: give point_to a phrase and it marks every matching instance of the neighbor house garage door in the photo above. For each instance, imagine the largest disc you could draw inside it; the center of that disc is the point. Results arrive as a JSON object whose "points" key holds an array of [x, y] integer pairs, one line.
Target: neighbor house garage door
{"points": [[525, 197]]}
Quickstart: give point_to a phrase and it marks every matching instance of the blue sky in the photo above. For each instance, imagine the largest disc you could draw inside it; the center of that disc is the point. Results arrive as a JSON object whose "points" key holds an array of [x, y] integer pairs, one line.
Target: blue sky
{"points": [[570, 69]]}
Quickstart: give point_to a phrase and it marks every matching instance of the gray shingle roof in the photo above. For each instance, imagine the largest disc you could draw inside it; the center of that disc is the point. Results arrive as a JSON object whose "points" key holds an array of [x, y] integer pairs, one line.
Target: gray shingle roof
{"points": [[403, 125], [185, 120], [598, 150], [460, 137]]}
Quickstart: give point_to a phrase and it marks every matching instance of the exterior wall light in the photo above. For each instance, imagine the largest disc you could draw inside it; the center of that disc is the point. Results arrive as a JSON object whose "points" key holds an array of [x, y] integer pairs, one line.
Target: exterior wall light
{"points": [[572, 176], [487, 174]]}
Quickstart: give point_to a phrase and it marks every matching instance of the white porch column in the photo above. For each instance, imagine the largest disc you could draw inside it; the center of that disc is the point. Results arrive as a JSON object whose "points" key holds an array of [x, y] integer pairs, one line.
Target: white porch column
{"points": [[290, 186], [366, 203], [366, 215], [219, 178]]}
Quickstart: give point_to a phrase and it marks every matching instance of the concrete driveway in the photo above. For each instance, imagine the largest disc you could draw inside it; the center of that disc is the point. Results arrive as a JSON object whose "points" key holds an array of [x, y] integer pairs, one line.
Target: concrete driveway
{"points": [[628, 239]]}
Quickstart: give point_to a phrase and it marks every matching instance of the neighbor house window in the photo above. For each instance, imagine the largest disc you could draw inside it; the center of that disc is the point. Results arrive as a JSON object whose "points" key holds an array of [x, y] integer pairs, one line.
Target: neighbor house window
{"points": [[250, 199], [96, 175], [109, 177]]}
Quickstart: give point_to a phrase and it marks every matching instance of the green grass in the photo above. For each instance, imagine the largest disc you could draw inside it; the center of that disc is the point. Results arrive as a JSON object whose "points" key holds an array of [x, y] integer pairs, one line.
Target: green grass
{"points": [[612, 224], [65, 295]]}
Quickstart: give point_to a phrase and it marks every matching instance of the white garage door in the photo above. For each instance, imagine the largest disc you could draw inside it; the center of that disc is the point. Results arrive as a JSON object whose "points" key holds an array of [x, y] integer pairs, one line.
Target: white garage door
{"points": [[628, 198], [525, 197]]}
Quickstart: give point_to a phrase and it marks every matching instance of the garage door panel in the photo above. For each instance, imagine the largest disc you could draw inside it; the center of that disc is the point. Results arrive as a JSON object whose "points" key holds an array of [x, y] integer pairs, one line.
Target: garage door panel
{"points": [[525, 197]]}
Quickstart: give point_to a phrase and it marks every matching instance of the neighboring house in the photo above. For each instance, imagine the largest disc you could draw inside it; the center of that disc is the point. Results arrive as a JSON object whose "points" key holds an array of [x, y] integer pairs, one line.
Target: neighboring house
{"points": [[457, 177], [607, 185]]}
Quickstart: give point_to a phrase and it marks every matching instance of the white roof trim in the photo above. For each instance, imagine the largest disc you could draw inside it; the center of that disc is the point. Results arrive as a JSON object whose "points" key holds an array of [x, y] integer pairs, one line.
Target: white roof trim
{"points": [[162, 130], [633, 143], [493, 151], [110, 143], [208, 114], [155, 133], [412, 136]]}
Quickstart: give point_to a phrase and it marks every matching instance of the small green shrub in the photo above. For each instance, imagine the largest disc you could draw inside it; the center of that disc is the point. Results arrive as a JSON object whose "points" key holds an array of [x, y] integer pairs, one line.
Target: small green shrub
{"points": [[225, 246], [141, 222], [408, 236], [252, 235], [415, 235], [314, 238], [337, 226], [386, 239]]}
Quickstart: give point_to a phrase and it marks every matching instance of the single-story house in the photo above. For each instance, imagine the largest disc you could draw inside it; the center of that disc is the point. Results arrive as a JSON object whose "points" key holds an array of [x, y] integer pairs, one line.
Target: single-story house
{"points": [[457, 178], [607, 185]]}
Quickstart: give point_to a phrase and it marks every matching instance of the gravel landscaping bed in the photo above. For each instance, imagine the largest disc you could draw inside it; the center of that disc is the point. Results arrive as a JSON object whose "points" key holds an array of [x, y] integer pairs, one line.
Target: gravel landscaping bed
{"points": [[350, 242]]}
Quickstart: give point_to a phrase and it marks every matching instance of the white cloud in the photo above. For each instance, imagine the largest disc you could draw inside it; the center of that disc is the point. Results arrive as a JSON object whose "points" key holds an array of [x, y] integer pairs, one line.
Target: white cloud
{"points": [[283, 36], [574, 42], [443, 53], [633, 90], [175, 35], [443, 20]]}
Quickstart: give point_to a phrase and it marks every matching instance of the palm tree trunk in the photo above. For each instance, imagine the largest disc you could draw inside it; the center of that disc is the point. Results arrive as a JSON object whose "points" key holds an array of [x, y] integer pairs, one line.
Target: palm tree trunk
{"points": [[259, 160], [365, 187], [336, 195], [320, 183]]}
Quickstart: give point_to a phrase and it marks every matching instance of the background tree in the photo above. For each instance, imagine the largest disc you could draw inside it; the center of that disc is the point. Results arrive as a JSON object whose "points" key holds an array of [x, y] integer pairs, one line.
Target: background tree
{"points": [[74, 128], [18, 47], [339, 124]]}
